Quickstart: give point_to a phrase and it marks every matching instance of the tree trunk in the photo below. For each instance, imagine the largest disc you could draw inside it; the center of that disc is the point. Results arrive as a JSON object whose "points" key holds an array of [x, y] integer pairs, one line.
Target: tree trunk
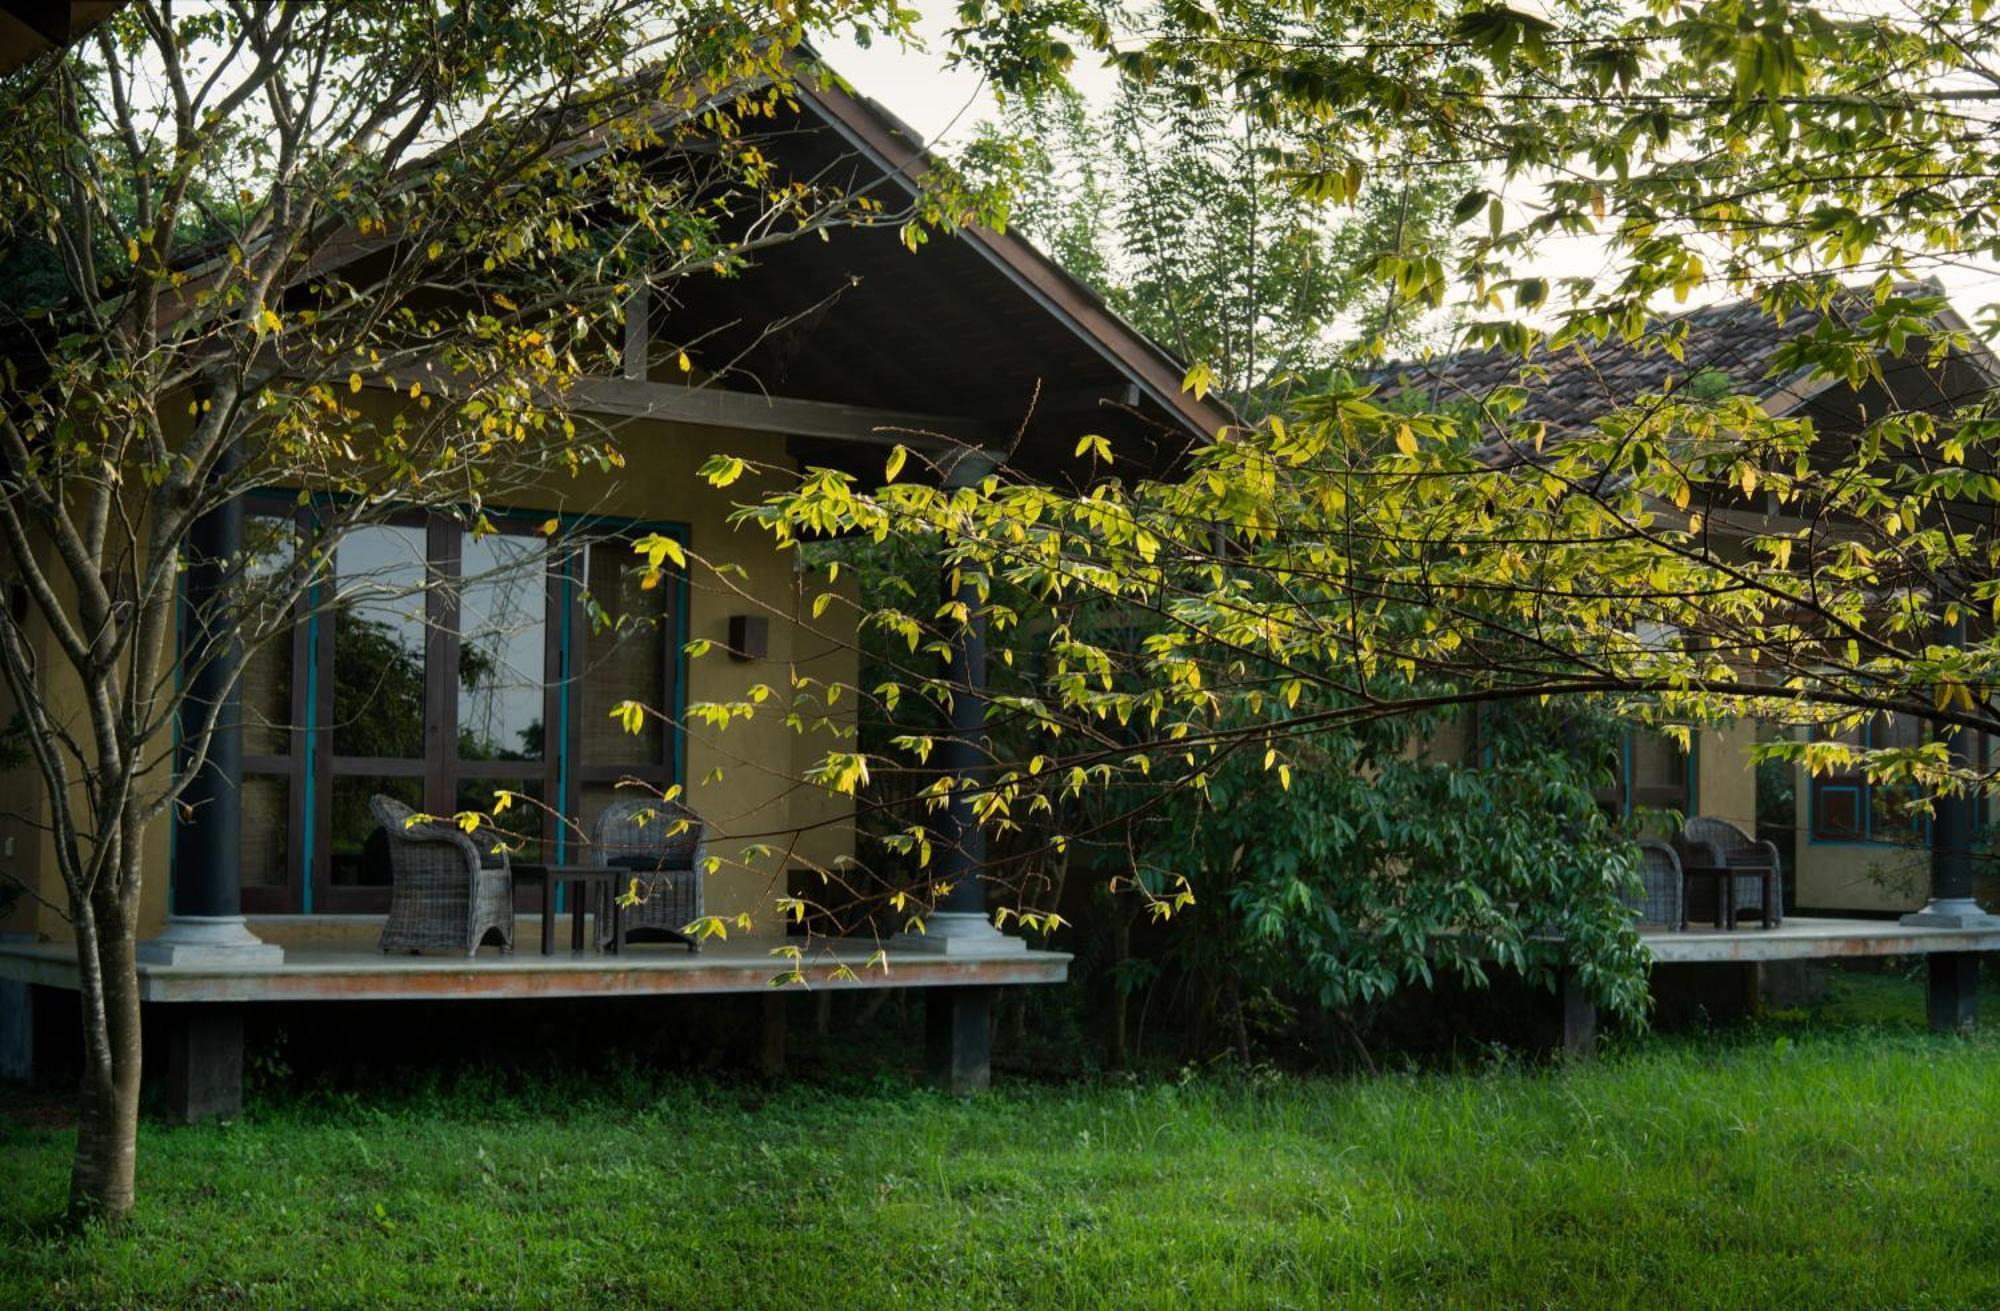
{"points": [[107, 1127], [1121, 951]]}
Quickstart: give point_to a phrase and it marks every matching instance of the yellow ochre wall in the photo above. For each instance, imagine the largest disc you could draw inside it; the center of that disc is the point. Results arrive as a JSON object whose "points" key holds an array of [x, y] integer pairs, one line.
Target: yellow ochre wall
{"points": [[758, 797], [1725, 780], [1859, 876], [1827, 876], [27, 846]]}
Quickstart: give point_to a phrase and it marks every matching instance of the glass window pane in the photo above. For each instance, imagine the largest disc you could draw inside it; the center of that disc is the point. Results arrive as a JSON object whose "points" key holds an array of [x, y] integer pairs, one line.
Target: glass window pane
{"points": [[271, 546], [267, 830], [1898, 731], [378, 643], [1891, 813], [1657, 761], [359, 849], [623, 657], [520, 826], [502, 654], [1837, 812]]}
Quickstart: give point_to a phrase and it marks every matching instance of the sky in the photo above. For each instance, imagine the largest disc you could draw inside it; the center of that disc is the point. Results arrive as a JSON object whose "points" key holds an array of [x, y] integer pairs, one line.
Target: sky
{"points": [[946, 106]]}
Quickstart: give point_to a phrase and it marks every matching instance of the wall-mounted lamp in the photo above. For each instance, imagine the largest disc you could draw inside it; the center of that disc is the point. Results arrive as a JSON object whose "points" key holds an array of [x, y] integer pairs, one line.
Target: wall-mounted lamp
{"points": [[749, 637]]}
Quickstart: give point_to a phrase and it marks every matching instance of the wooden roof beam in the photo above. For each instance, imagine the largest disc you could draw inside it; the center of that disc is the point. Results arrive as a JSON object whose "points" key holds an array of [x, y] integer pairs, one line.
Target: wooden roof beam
{"points": [[716, 407]]}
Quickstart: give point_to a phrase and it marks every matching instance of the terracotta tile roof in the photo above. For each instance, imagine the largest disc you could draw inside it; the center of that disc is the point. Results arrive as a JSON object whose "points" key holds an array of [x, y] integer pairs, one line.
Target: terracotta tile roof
{"points": [[1571, 388]]}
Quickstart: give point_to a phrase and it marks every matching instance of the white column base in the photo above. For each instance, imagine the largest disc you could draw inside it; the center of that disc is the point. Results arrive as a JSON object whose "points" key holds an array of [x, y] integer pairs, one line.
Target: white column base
{"points": [[206, 940], [1952, 913], [959, 934]]}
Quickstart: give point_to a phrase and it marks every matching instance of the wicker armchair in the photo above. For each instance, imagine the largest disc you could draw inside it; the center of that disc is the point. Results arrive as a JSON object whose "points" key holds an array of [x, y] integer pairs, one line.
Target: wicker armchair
{"points": [[638, 835], [445, 892], [1719, 844], [1658, 900]]}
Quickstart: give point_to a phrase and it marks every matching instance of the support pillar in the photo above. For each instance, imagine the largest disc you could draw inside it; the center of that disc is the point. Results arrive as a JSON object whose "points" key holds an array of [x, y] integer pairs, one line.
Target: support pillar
{"points": [[1951, 904], [1951, 993], [958, 1038], [1566, 1020], [958, 1021], [206, 926], [959, 922], [17, 1031], [204, 1062], [771, 1035]]}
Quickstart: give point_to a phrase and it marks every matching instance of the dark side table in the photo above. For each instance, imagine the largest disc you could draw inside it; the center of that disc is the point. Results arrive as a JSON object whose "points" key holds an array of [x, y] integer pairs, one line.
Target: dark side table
{"points": [[1723, 877], [581, 878]]}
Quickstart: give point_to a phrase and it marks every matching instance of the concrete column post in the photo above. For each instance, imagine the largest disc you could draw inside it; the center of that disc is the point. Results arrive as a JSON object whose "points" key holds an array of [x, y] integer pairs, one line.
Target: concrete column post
{"points": [[958, 1019], [206, 926], [1953, 977], [204, 1062]]}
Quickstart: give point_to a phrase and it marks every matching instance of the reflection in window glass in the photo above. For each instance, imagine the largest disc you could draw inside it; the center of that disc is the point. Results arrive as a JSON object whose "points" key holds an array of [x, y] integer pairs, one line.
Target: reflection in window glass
{"points": [[267, 822], [1838, 814], [378, 643], [271, 547], [1848, 806], [503, 628], [520, 827], [1892, 816], [1658, 765], [360, 854], [624, 658]]}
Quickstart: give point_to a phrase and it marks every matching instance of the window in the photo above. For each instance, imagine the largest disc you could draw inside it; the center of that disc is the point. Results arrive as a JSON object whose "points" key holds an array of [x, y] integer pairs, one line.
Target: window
{"points": [[273, 784], [438, 667], [625, 653], [378, 635], [1653, 774], [1849, 807], [1656, 773]]}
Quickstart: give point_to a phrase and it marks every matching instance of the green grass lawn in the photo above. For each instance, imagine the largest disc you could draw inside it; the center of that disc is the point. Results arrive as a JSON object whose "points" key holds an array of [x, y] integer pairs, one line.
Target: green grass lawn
{"points": [[1809, 1165]]}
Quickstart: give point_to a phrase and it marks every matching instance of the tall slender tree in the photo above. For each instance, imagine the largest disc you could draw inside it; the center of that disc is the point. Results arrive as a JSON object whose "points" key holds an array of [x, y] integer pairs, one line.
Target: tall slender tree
{"points": [[359, 251]]}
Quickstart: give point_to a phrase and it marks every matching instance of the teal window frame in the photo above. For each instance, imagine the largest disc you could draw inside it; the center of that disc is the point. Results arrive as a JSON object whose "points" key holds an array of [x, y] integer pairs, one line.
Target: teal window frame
{"points": [[1864, 803], [303, 850]]}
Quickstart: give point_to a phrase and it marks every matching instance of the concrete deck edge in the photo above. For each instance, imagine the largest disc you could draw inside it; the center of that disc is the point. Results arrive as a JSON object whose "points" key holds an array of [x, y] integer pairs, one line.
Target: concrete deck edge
{"points": [[440, 978], [1811, 939]]}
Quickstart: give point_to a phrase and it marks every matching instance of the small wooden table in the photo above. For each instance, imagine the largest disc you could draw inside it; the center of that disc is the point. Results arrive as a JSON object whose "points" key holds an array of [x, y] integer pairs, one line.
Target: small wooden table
{"points": [[1723, 877], [581, 878]]}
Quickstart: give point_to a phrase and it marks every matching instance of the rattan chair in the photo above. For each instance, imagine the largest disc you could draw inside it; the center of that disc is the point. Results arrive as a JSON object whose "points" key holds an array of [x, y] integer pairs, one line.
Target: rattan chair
{"points": [[639, 834], [1719, 844], [445, 892], [1658, 898]]}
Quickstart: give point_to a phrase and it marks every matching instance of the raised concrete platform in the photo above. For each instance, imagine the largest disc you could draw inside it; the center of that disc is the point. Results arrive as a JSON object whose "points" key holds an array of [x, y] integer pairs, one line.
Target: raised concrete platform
{"points": [[1801, 938], [354, 973]]}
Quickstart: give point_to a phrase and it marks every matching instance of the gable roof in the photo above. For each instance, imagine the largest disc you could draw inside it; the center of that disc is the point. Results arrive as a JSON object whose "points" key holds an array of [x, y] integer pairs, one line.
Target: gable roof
{"points": [[29, 30], [977, 323], [1141, 360]]}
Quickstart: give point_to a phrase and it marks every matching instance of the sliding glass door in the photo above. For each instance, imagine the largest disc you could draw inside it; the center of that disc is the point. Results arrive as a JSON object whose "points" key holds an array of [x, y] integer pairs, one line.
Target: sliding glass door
{"points": [[382, 654], [439, 666], [273, 698], [504, 672], [627, 653]]}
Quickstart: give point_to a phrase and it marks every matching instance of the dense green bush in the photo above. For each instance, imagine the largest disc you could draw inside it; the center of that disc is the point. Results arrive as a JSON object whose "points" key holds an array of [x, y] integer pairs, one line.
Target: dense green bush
{"points": [[1385, 864]]}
